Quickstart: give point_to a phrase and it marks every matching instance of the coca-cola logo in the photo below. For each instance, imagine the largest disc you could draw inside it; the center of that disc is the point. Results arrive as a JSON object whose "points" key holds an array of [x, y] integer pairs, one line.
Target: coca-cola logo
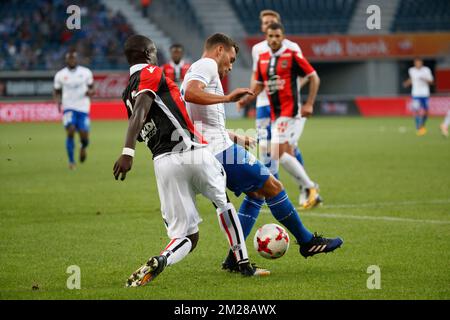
{"points": [[110, 86]]}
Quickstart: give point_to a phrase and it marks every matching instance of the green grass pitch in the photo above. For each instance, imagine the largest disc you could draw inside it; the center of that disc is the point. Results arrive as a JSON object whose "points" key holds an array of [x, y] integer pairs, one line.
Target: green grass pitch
{"points": [[386, 192]]}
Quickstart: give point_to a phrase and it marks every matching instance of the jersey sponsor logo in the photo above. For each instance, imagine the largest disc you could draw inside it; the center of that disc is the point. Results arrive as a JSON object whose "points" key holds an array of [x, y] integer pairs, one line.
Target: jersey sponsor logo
{"points": [[274, 84], [148, 131], [151, 69]]}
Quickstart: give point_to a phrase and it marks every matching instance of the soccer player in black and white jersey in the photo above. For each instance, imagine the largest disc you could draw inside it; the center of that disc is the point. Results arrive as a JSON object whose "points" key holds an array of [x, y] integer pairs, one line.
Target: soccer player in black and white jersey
{"points": [[183, 166]]}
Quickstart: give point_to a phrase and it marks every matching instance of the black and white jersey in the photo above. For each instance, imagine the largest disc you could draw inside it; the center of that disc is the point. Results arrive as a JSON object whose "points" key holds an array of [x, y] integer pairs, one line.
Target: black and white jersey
{"points": [[168, 127]]}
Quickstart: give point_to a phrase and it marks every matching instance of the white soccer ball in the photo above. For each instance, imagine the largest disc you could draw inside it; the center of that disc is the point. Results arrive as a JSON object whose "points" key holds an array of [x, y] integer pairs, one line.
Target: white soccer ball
{"points": [[271, 241]]}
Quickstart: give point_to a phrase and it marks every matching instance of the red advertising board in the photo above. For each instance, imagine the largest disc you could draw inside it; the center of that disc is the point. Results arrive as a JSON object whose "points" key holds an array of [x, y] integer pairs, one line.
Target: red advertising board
{"points": [[398, 106], [110, 85], [47, 111], [359, 47]]}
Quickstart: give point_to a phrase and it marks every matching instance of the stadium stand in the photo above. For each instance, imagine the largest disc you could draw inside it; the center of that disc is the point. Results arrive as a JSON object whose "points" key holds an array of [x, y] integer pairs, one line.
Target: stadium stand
{"points": [[422, 15], [316, 16], [34, 36]]}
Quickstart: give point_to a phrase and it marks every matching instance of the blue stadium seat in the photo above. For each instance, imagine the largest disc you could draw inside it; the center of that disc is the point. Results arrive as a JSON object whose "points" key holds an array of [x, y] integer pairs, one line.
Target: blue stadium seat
{"points": [[422, 15], [299, 16]]}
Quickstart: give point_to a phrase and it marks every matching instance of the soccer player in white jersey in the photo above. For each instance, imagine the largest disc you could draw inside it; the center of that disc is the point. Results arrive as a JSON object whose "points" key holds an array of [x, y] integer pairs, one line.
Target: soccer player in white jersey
{"points": [[73, 88], [263, 118], [420, 79], [205, 99]]}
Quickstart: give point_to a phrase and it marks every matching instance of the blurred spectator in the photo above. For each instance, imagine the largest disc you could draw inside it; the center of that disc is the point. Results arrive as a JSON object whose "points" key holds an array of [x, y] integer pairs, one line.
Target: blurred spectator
{"points": [[34, 36], [145, 4]]}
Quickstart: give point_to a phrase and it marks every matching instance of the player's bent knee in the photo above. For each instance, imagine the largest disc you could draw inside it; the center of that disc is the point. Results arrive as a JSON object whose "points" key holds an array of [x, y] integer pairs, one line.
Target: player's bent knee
{"points": [[272, 187], [194, 240], [70, 131]]}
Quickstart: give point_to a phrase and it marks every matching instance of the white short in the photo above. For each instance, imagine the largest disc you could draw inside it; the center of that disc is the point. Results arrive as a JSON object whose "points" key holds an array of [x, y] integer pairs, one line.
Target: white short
{"points": [[287, 129], [180, 177]]}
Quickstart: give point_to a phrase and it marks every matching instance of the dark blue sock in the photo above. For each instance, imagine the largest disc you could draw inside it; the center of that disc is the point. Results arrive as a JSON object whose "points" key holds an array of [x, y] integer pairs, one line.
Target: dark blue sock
{"points": [[70, 145], [424, 119], [285, 213], [418, 122], [248, 213], [299, 156]]}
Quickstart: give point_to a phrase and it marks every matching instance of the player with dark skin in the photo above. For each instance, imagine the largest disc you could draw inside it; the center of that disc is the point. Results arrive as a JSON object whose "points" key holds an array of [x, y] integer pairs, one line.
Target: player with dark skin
{"points": [[142, 51], [72, 63], [176, 54]]}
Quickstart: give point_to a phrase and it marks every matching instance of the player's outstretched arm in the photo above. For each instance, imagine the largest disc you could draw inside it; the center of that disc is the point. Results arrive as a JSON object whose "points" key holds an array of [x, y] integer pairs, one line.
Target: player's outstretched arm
{"points": [[195, 93], [314, 83], [256, 89], [141, 108]]}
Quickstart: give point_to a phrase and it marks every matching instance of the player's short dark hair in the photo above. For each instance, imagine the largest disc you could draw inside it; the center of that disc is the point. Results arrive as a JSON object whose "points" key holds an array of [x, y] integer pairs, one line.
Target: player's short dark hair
{"points": [[276, 26], [135, 47], [70, 51], [220, 38], [269, 12], [177, 46]]}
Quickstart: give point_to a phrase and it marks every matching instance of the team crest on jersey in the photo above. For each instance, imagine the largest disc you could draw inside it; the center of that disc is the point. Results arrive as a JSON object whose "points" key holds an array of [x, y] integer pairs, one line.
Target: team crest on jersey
{"points": [[284, 64], [282, 126]]}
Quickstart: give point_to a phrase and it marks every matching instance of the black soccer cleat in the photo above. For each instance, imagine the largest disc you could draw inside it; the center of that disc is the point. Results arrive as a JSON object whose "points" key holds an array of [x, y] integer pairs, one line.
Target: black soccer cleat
{"points": [[319, 244], [230, 264], [250, 270], [149, 271]]}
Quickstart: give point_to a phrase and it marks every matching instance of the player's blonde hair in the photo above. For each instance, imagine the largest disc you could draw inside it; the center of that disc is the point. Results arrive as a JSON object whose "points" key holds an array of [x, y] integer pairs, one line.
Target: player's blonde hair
{"points": [[269, 12]]}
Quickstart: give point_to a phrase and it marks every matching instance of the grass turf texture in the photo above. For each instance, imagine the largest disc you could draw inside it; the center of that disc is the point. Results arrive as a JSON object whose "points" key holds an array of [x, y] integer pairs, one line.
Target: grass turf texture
{"points": [[379, 181]]}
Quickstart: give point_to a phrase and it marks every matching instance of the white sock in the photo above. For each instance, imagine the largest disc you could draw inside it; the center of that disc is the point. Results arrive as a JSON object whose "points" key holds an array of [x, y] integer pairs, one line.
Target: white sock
{"points": [[447, 119], [176, 250], [231, 227], [296, 170]]}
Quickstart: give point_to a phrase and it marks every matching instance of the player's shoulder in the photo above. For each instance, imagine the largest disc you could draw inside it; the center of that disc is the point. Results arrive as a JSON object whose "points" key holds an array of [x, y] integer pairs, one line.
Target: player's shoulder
{"points": [[204, 63], [84, 69], [60, 72], [292, 45], [151, 71], [260, 46]]}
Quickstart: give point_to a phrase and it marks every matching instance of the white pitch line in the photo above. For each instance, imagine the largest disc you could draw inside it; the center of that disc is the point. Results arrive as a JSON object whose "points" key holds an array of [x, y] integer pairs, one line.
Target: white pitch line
{"points": [[379, 218], [374, 204], [382, 218], [384, 204]]}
